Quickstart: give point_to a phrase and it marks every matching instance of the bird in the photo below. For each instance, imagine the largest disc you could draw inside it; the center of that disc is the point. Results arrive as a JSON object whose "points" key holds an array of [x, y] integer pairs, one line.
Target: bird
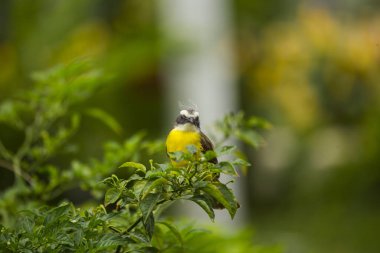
{"points": [[187, 132]]}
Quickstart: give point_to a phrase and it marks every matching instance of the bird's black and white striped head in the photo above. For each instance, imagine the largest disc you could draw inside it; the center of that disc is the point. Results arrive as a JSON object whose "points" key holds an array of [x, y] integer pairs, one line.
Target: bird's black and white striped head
{"points": [[187, 119]]}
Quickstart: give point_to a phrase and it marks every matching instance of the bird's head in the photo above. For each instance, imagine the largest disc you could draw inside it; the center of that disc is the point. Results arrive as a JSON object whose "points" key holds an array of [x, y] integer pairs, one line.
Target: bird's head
{"points": [[188, 119]]}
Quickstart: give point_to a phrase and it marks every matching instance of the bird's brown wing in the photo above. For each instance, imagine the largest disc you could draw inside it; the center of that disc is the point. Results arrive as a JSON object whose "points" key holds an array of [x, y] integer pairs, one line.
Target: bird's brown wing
{"points": [[207, 145]]}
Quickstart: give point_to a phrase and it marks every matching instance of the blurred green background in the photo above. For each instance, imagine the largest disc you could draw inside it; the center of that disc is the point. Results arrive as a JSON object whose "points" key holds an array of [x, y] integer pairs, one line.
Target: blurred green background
{"points": [[311, 67]]}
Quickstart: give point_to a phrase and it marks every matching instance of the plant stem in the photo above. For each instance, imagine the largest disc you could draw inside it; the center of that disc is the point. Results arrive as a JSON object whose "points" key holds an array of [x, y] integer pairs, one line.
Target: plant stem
{"points": [[118, 250], [133, 225], [114, 229], [18, 172], [5, 152]]}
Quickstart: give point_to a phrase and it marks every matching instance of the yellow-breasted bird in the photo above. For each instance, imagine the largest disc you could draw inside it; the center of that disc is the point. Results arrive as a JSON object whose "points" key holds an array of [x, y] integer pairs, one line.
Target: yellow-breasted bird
{"points": [[187, 132]]}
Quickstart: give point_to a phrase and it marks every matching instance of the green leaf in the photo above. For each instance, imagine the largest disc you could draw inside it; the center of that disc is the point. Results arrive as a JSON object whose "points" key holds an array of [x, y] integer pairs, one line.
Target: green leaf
{"points": [[225, 150], [193, 233], [162, 166], [112, 240], [151, 185], [258, 122], [227, 168], [223, 195], [151, 174], [240, 162], [28, 224], [176, 156], [106, 118], [112, 195], [78, 237], [9, 114], [145, 249], [209, 155], [148, 203], [192, 149], [111, 181], [139, 237], [249, 137], [173, 229], [149, 225], [205, 204], [57, 212], [137, 166]]}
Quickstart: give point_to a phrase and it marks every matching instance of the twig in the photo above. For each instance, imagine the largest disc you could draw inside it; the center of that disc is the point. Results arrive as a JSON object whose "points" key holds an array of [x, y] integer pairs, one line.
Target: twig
{"points": [[10, 167], [114, 229], [5, 152], [133, 225], [6, 165], [29, 136], [118, 249]]}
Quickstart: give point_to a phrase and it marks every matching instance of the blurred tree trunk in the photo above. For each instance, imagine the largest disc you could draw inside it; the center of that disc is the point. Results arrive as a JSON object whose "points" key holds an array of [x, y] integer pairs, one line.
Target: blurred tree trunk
{"points": [[198, 66]]}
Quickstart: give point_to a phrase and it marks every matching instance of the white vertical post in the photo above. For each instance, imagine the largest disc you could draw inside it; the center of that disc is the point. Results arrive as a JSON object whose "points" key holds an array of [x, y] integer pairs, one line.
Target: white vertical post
{"points": [[201, 69]]}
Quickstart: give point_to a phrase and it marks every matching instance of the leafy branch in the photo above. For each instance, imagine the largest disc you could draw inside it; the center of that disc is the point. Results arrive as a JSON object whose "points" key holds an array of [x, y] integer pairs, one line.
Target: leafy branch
{"points": [[134, 195], [46, 118]]}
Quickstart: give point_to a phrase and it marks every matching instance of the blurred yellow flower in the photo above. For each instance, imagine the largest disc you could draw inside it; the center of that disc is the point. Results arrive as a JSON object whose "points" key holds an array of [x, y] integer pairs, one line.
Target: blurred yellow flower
{"points": [[313, 56]]}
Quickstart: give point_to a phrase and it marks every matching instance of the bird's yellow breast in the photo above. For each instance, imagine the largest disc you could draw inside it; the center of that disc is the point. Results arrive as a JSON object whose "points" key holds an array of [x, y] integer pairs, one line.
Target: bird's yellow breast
{"points": [[178, 140]]}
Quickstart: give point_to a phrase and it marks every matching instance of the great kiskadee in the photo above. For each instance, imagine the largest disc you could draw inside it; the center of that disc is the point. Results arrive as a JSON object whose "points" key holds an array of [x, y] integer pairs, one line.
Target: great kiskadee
{"points": [[187, 132]]}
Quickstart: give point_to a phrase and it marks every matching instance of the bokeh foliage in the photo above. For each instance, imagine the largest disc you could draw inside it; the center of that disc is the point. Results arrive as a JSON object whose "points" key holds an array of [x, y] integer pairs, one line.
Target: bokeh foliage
{"points": [[316, 75]]}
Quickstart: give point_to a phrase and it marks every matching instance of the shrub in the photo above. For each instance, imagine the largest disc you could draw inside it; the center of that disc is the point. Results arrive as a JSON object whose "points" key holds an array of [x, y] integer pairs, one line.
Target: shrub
{"points": [[129, 220]]}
